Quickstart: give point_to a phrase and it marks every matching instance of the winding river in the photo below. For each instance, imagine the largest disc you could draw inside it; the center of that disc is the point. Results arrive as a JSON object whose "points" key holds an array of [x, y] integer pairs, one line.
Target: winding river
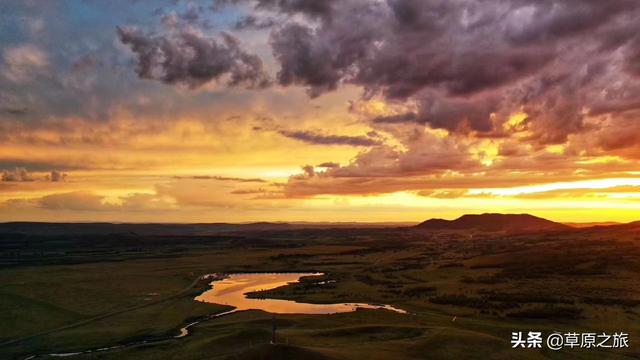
{"points": [[232, 290]]}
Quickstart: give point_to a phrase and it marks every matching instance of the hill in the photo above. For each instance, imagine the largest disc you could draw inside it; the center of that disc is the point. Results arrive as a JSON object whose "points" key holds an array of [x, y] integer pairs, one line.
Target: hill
{"points": [[591, 224], [511, 223], [631, 226]]}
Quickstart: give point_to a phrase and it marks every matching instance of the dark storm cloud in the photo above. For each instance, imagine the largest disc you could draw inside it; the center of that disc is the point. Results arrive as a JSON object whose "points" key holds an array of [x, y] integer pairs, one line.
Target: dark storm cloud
{"points": [[323, 58], [465, 65], [312, 8], [401, 48], [462, 61], [311, 137], [633, 55], [192, 59], [252, 22], [395, 119], [550, 20], [303, 62], [447, 112]]}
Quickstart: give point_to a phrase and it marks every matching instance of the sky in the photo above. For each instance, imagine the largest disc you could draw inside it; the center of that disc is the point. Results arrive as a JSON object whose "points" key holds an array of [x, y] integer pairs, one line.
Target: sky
{"points": [[326, 111]]}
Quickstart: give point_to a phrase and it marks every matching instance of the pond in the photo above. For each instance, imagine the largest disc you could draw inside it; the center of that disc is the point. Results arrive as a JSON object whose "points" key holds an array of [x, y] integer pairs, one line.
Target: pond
{"points": [[232, 290]]}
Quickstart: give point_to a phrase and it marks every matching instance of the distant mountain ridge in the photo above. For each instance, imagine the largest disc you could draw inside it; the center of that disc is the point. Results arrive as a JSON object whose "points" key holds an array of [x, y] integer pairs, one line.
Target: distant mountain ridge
{"points": [[635, 226], [491, 222], [153, 229], [42, 228], [592, 224]]}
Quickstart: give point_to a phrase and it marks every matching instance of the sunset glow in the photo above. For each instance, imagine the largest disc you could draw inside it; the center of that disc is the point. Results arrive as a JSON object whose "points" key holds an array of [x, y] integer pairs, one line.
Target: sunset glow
{"points": [[387, 126]]}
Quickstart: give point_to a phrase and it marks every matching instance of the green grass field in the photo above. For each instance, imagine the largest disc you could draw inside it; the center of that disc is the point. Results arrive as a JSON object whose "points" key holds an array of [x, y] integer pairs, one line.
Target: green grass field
{"points": [[491, 286]]}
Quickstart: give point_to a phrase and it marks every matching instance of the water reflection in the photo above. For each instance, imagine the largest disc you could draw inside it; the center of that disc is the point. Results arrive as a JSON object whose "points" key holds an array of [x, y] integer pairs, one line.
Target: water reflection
{"points": [[232, 291]]}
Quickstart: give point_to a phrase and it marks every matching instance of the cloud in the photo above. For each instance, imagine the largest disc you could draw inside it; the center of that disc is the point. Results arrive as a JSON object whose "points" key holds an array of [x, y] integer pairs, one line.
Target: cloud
{"points": [[446, 95], [321, 65], [192, 59], [311, 8], [618, 192], [252, 22], [316, 138], [443, 194], [143, 202], [17, 175], [15, 111], [248, 191], [398, 47], [82, 201], [384, 168], [57, 176], [423, 154], [396, 118], [451, 113], [188, 193], [468, 65], [328, 165], [20, 174], [11, 104], [633, 58], [77, 201], [624, 133], [221, 178], [308, 7], [24, 62], [432, 161]]}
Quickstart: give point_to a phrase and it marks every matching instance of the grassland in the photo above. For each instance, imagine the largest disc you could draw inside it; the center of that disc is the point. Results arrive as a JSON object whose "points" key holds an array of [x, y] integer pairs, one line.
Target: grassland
{"points": [[465, 294]]}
